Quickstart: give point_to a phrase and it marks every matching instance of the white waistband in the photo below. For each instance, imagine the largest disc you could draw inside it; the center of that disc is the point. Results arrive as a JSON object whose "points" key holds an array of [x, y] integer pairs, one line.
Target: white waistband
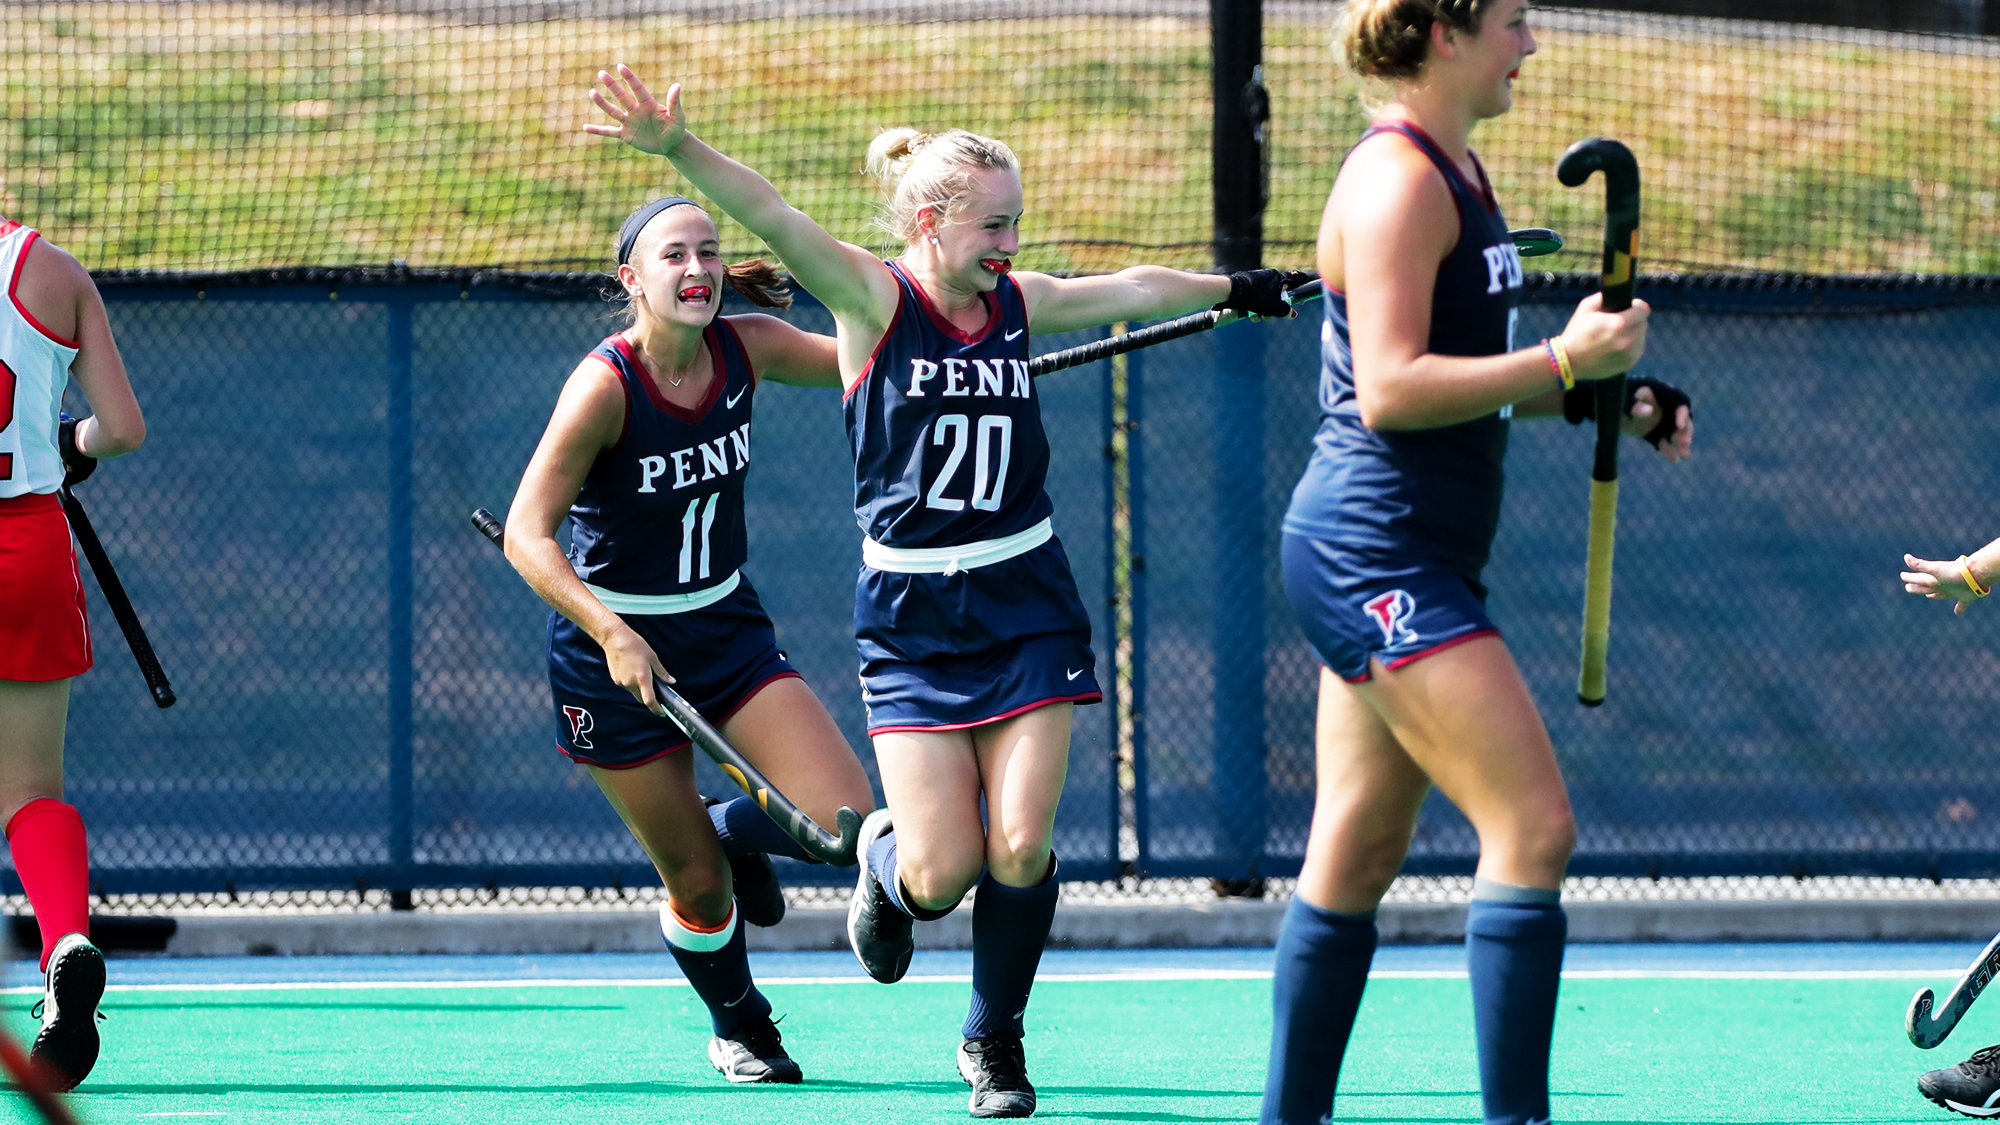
{"points": [[665, 603], [951, 560]]}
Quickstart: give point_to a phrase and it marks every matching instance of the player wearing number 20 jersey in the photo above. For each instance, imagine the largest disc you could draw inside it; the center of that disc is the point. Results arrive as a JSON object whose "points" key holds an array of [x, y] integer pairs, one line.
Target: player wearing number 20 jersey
{"points": [[657, 535], [950, 459]]}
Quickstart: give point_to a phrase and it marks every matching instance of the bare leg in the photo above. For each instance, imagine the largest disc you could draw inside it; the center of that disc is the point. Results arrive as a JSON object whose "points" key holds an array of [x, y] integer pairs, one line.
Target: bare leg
{"points": [[931, 784], [1022, 764], [658, 803], [1466, 719], [34, 718], [786, 732]]}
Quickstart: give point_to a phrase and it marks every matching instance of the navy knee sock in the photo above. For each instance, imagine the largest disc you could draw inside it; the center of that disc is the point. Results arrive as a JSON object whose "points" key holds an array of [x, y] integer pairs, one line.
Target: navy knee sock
{"points": [[718, 966], [1514, 950], [746, 829], [1010, 925], [882, 860], [1322, 966]]}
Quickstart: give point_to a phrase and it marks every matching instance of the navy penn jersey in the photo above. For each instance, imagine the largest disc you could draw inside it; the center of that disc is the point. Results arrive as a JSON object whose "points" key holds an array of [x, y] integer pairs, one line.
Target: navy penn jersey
{"points": [[1434, 493], [945, 427], [661, 512]]}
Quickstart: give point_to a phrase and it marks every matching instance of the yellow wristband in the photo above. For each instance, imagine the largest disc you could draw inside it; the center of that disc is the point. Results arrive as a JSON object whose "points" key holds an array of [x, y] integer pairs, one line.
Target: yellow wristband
{"points": [[1965, 568], [1559, 356]]}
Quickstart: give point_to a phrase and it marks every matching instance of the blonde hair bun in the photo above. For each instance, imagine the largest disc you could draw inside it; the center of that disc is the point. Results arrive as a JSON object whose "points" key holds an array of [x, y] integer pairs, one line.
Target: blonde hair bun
{"points": [[923, 170]]}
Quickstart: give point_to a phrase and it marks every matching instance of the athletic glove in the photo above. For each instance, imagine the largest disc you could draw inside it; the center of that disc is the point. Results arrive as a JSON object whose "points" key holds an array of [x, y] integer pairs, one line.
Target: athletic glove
{"points": [[1580, 405], [1262, 292], [76, 467]]}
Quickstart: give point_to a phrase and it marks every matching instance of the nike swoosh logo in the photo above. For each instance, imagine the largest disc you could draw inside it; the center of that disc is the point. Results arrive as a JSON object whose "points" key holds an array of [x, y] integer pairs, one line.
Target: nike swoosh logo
{"points": [[746, 995], [731, 404], [1075, 674], [1013, 334]]}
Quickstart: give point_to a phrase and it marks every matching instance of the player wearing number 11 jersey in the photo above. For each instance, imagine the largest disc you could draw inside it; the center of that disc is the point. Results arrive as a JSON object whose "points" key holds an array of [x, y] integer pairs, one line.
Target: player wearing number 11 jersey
{"points": [[646, 457], [974, 644]]}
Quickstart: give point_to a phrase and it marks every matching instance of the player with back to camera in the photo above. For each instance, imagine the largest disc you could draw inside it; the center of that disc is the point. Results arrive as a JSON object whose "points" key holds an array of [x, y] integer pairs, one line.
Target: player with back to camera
{"points": [[1385, 539], [974, 643], [1973, 1086], [647, 453], [52, 325]]}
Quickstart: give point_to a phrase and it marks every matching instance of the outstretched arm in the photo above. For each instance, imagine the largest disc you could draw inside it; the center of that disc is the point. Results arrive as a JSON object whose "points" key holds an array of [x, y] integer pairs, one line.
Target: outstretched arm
{"points": [[785, 354], [1963, 580], [1064, 304], [848, 279]]}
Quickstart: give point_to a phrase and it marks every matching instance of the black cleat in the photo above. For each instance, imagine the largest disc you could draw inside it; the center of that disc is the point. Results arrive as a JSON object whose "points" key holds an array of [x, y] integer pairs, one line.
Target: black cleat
{"points": [[1971, 1088], [997, 1071], [880, 933], [760, 898], [754, 1054], [67, 1044]]}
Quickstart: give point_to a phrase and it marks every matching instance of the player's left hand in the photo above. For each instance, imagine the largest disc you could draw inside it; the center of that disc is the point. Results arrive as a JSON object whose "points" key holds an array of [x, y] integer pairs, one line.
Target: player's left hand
{"points": [[1938, 581], [1644, 418], [642, 120], [77, 465], [1261, 293]]}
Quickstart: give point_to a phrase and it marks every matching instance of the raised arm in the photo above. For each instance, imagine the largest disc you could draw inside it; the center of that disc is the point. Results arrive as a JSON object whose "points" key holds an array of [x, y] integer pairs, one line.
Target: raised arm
{"points": [[588, 419], [1065, 304], [849, 280]]}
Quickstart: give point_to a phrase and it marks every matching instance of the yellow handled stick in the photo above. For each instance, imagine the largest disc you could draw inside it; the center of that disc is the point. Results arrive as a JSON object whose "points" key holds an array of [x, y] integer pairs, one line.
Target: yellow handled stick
{"points": [[1621, 229]]}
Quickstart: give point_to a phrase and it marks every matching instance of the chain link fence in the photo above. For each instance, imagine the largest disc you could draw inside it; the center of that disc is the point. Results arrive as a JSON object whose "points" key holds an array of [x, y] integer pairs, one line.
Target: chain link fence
{"points": [[364, 702]]}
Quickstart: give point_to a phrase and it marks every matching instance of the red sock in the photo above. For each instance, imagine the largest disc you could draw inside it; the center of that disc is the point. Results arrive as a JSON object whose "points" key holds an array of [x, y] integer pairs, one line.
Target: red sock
{"points": [[53, 862]]}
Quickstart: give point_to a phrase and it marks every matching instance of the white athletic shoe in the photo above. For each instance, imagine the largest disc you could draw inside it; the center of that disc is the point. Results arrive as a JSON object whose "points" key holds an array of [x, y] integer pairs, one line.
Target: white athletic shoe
{"points": [[755, 1054], [67, 1043]]}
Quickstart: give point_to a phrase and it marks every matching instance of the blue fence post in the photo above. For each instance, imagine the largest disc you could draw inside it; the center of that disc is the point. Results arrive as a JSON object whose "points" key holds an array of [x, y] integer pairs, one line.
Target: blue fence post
{"points": [[1237, 621], [1112, 602], [402, 683], [1135, 477]]}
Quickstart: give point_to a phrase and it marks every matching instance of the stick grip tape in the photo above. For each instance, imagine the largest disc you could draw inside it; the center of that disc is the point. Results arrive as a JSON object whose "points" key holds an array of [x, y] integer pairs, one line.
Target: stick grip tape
{"points": [[1597, 591]]}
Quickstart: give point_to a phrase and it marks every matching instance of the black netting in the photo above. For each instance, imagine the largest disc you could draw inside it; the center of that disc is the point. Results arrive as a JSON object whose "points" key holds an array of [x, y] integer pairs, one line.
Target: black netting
{"points": [[1778, 703], [313, 459]]}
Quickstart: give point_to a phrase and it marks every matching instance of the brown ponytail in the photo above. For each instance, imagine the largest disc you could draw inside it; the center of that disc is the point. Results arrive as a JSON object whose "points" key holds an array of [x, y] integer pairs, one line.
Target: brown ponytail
{"points": [[759, 282], [1388, 40]]}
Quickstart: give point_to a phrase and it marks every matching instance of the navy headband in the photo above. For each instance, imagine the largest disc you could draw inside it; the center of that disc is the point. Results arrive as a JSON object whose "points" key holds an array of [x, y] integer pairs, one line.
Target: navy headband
{"points": [[628, 235]]}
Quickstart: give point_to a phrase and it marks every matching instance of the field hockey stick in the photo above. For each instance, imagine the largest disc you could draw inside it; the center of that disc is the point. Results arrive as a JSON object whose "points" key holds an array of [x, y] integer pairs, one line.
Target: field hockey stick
{"points": [[121, 606], [1621, 228], [1928, 1031], [821, 844]]}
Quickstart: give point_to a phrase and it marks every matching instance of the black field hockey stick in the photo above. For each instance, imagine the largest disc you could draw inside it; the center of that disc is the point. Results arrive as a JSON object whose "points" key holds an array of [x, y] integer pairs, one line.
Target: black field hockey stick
{"points": [[1530, 243], [1926, 1030], [1621, 228], [823, 845], [121, 605]]}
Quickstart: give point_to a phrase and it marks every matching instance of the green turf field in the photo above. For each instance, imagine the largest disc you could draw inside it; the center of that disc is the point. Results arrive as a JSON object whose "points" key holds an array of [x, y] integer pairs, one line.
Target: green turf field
{"points": [[1628, 1050]]}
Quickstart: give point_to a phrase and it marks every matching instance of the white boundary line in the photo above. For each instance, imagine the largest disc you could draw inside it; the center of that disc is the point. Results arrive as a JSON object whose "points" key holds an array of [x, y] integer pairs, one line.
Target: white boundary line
{"points": [[1046, 978]]}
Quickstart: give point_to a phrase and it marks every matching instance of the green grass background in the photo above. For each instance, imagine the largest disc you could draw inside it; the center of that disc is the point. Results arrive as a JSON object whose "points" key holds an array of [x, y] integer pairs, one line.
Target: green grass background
{"points": [[229, 135], [1686, 1051]]}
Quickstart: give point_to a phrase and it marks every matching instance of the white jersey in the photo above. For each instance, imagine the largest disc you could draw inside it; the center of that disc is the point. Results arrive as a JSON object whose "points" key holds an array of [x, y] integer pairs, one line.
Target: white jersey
{"points": [[34, 369]]}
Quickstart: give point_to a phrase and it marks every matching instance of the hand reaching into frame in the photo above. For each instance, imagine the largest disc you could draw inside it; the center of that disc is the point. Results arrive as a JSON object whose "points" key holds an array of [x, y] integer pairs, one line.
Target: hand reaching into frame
{"points": [[1944, 580], [642, 120]]}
